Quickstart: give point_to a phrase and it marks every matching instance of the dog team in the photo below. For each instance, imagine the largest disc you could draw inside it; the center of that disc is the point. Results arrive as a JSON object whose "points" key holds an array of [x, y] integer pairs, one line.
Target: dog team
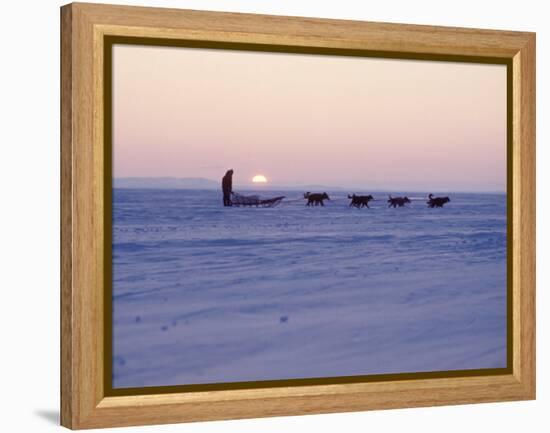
{"points": [[359, 201]]}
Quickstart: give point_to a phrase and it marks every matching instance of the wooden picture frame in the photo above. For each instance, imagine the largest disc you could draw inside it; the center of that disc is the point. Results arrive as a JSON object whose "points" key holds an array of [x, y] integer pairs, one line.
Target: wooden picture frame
{"points": [[85, 28]]}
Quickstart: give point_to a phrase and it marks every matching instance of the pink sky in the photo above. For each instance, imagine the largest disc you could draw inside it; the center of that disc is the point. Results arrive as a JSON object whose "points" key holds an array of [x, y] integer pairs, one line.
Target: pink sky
{"points": [[308, 119]]}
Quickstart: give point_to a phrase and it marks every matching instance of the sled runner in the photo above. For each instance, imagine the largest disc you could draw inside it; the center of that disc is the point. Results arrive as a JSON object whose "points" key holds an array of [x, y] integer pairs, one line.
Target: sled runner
{"points": [[254, 200]]}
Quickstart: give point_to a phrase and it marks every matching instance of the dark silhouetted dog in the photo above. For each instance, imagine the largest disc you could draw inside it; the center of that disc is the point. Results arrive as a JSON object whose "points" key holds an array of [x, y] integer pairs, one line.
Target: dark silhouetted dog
{"points": [[316, 199], [360, 200], [398, 201], [437, 201]]}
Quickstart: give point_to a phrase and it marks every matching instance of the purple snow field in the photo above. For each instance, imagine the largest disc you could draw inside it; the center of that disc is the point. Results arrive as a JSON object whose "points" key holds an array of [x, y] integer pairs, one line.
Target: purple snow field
{"points": [[205, 294]]}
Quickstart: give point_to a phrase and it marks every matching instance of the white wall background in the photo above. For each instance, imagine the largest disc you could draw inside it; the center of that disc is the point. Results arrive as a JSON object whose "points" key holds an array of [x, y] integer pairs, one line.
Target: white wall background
{"points": [[29, 216]]}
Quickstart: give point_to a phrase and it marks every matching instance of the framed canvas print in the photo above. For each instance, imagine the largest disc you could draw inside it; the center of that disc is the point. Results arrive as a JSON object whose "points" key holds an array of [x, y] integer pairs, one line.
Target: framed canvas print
{"points": [[270, 216]]}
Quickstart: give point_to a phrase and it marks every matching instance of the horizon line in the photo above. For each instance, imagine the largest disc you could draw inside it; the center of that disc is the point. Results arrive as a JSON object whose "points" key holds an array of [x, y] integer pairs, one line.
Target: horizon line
{"points": [[274, 186]]}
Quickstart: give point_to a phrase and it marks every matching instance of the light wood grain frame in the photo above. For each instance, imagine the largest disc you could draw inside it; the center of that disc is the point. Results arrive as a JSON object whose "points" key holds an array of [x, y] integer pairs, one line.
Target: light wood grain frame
{"points": [[84, 27]]}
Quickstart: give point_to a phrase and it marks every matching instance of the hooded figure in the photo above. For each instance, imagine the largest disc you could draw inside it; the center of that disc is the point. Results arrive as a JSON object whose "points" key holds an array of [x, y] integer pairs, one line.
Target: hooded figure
{"points": [[227, 187]]}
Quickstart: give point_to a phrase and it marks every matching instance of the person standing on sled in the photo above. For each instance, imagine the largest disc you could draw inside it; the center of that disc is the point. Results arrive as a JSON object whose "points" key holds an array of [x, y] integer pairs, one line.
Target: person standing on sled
{"points": [[227, 187]]}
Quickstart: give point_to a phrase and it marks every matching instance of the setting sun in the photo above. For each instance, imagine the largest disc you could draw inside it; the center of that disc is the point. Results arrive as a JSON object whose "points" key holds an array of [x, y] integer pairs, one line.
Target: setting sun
{"points": [[259, 179]]}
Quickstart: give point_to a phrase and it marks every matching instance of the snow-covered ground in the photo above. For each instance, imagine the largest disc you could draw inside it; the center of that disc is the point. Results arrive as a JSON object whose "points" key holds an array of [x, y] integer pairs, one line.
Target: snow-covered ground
{"points": [[204, 294]]}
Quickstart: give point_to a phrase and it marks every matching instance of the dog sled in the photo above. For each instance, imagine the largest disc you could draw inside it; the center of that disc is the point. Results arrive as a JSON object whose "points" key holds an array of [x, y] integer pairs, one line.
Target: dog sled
{"points": [[254, 200]]}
